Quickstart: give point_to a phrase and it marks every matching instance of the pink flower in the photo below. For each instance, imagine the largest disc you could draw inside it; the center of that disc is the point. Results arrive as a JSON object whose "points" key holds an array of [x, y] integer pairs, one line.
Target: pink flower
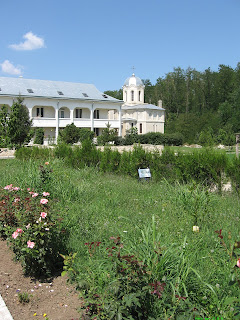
{"points": [[46, 163], [15, 235], [31, 192], [28, 189], [28, 226], [16, 199], [44, 201], [43, 215], [30, 244], [34, 194], [238, 263], [45, 194], [16, 188], [9, 187], [19, 230]]}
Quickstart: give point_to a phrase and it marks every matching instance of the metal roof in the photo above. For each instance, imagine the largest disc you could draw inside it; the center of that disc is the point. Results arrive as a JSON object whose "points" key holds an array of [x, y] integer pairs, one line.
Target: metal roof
{"points": [[52, 89], [141, 106], [133, 80]]}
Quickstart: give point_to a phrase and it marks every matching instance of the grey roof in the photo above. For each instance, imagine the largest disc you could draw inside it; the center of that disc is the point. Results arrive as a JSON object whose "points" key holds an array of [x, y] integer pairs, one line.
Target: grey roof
{"points": [[52, 89], [141, 106]]}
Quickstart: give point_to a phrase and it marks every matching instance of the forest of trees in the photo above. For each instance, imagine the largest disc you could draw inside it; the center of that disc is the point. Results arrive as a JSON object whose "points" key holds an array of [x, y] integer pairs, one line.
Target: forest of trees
{"points": [[199, 105]]}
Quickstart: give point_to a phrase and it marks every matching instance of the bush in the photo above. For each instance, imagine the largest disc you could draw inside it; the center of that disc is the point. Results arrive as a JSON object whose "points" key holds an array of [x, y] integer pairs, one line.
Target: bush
{"points": [[85, 134], [32, 228], [39, 136], [70, 134]]}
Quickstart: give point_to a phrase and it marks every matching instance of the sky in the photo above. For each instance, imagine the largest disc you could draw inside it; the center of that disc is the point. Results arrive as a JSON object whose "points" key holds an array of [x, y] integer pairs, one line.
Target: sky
{"points": [[100, 41]]}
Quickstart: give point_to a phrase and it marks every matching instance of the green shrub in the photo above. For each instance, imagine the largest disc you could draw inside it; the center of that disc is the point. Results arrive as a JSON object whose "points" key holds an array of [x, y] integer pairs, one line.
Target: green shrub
{"points": [[39, 136], [70, 134], [85, 134]]}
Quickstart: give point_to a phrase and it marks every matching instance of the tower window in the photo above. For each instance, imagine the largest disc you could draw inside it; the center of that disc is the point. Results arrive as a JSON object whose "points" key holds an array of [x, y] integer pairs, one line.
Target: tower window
{"points": [[132, 95], [126, 95], [139, 95], [140, 128]]}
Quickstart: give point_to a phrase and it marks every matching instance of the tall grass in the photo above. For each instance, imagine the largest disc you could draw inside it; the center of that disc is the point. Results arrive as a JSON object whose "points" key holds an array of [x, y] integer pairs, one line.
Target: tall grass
{"points": [[154, 222]]}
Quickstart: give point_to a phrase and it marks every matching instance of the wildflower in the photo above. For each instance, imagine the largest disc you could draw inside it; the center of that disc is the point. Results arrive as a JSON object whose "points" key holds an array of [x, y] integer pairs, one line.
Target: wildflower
{"points": [[28, 226], [19, 230], [45, 194], [196, 228], [43, 215], [47, 229], [28, 189], [219, 232], [16, 188], [238, 263], [35, 314], [17, 199], [15, 235], [46, 163], [44, 315], [30, 244], [34, 194], [44, 201], [8, 187]]}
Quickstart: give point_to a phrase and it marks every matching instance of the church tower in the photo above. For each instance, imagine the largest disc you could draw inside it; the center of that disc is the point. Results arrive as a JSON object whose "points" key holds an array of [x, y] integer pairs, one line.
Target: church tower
{"points": [[133, 91]]}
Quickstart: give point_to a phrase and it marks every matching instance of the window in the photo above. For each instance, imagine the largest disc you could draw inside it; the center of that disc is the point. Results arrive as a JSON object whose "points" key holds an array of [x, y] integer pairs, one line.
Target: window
{"points": [[132, 124], [96, 131], [85, 95], [96, 114], [40, 112], [132, 94], [105, 96], [60, 93], [126, 95], [140, 128], [30, 90], [78, 113], [62, 114], [139, 95]]}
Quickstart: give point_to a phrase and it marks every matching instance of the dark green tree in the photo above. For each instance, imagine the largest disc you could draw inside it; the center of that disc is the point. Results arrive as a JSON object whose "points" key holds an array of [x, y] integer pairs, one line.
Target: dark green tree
{"points": [[70, 134], [107, 135], [39, 136], [19, 124], [85, 134]]}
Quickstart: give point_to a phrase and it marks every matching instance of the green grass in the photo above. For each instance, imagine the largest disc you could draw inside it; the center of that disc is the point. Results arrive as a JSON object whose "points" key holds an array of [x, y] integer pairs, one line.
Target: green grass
{"points": [[147, 216]]}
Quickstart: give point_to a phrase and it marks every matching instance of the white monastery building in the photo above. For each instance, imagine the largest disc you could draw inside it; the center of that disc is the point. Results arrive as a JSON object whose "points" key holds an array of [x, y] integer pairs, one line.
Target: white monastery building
{"points": [[135, 113], [53, 105]]}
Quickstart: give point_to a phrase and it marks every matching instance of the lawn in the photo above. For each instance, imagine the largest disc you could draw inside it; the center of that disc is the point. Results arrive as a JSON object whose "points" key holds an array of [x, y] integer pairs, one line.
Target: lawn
{"points": [[193, 274]]}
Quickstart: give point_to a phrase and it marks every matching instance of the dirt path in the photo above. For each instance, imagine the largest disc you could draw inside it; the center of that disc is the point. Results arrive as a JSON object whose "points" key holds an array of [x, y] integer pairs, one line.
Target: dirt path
{"points": [[59, 300]]}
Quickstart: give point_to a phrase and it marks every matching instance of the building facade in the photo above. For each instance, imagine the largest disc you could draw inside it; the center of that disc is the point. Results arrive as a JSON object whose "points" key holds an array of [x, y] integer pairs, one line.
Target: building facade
{"points": [[53, 105], [135, 113]]}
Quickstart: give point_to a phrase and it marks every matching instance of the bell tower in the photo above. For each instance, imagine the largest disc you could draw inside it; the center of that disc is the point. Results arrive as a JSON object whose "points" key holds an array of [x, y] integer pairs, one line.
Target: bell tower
{"points": [[133, 91]]}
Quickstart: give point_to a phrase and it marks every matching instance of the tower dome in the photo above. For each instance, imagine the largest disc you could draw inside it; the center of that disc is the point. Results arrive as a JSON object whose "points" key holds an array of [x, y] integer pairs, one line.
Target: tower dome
{"points": [[133, 80], [133, 91]]}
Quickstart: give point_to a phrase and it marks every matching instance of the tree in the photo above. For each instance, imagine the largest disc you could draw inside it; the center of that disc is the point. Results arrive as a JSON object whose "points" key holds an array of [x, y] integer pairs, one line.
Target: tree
{"points": [[70, 134], [39, 137], [107, 135], [3, 126], [85, 134], [19, 124]]}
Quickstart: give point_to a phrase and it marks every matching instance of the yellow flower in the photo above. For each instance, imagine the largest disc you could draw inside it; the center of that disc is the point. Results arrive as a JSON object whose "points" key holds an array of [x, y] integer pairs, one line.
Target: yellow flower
{"points": [[35, 314], [44, 315]]}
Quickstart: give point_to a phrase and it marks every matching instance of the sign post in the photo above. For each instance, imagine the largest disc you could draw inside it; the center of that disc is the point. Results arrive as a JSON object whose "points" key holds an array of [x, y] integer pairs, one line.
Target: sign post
{"points": [[144, 174]]}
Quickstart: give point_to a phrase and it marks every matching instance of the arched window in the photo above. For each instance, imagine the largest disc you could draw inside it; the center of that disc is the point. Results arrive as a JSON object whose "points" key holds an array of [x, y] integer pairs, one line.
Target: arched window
{"points": [[132, 93], [126, 95], [139, 95]]}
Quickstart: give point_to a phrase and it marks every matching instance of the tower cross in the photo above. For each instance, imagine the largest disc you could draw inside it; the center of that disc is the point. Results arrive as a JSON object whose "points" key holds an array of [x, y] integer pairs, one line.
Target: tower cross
{"points": [[133, 68]]}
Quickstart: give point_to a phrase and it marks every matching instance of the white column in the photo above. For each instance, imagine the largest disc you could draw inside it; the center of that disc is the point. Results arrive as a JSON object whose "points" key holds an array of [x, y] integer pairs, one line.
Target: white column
{"points": [[91, 119], [57, 121], [71, 115], [120, 121]]}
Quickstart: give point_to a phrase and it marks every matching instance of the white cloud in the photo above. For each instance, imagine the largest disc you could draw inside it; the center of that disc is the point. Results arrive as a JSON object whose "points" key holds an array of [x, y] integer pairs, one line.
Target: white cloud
{"points": [[8, 67], [32, 42]]}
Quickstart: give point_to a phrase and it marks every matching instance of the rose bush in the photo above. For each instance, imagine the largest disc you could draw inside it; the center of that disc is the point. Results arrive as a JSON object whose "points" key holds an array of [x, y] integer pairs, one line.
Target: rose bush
{"points": [[32, 228]]}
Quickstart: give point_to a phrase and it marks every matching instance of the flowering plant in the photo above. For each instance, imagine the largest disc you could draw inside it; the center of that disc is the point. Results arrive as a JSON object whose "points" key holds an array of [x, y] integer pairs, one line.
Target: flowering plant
{"points": [[32, 228]]}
